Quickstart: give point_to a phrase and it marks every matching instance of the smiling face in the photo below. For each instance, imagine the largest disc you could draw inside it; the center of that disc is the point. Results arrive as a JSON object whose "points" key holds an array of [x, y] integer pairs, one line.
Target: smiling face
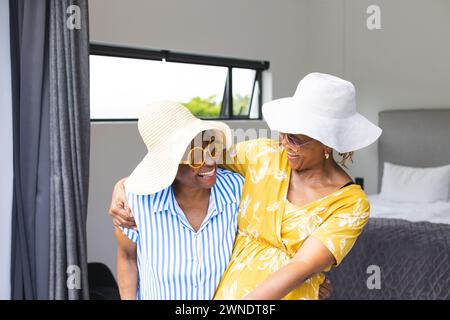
{"points": [[302, 151], [202, 176]]}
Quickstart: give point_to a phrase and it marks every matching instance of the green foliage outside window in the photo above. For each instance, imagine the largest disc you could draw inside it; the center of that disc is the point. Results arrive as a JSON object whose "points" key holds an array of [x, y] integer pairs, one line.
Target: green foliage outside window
{"points": [[204, 107], [241, 105], [210, 108]]}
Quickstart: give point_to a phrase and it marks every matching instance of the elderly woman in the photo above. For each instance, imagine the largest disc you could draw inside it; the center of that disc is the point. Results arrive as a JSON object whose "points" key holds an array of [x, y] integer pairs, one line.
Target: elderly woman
{"points": [[300, 212], [184, 206]]}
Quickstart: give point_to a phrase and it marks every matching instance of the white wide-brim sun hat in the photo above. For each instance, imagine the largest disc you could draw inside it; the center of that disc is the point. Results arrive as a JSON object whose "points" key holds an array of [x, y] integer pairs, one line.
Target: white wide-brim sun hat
{"points": [[323, 108], [167, 129]]}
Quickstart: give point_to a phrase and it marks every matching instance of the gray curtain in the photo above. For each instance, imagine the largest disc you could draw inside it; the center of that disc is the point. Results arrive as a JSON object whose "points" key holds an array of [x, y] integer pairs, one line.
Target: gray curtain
{"points": [[69, 150], [51, 132], [31, 149]]}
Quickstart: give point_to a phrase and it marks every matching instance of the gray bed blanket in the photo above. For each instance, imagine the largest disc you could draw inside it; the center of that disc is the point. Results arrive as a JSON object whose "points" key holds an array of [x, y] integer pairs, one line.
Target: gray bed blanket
{"points": [[413, 260]]}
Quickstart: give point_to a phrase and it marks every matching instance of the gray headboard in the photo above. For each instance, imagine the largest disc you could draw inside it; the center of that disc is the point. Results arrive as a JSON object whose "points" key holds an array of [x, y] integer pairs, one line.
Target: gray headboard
{"points": [[417, 138]]}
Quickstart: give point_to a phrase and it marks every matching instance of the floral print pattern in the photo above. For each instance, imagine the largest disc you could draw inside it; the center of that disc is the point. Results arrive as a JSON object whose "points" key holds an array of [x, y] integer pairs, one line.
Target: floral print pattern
{"points": [[271, 229]]}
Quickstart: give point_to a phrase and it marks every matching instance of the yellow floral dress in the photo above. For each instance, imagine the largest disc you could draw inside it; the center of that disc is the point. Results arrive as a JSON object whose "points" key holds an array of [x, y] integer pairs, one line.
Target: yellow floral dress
{"points": [[271, 230]]}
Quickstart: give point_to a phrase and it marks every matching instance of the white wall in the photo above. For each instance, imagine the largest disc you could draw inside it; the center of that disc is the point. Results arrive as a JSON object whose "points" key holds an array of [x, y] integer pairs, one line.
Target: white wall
{"points": [[404, 65], [6, 160], [252, 29]]}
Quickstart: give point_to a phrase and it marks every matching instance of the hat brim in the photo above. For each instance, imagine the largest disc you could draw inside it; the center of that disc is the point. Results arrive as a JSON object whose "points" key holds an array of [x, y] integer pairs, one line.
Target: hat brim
{"points": [[159, 167], [343, 135]]}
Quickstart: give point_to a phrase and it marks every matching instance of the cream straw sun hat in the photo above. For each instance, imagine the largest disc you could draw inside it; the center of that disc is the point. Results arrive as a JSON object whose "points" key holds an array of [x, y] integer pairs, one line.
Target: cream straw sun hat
{"points": [[323, 108], [167, 128]]}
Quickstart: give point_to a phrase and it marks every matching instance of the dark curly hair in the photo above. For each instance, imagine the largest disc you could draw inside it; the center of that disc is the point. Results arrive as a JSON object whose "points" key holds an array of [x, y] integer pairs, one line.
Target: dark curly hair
{"points": [[346, 156]]}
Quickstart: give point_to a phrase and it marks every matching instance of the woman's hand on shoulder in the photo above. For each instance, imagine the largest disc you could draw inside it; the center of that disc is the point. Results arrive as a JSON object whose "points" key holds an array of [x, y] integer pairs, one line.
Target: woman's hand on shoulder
{"points": [[119, 211]]}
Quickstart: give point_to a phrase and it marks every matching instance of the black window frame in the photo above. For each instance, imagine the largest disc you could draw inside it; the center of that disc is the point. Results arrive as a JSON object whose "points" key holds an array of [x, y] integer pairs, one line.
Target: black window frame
{"points": [[171, 56]]}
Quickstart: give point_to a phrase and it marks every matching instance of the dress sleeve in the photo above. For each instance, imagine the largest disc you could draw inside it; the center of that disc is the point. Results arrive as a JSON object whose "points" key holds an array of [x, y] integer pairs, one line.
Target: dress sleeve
{"points": [[340, 231], [236, 159]]}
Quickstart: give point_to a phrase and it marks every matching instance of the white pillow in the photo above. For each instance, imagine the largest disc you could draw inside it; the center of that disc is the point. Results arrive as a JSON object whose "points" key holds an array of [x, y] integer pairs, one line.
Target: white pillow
{"points": [[420, 185]]}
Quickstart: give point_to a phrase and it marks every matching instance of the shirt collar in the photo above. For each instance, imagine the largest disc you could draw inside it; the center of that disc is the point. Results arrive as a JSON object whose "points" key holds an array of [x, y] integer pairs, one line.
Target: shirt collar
{"points": [[162, 200]]}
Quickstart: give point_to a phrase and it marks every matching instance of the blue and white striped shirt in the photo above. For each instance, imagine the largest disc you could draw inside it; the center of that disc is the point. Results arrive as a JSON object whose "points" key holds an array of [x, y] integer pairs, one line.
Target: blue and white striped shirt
{"points": [[175, 262]]}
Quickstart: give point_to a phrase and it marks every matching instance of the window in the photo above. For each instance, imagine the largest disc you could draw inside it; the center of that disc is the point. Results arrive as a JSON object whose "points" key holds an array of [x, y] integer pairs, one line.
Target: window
{"points": [[124, 80]]}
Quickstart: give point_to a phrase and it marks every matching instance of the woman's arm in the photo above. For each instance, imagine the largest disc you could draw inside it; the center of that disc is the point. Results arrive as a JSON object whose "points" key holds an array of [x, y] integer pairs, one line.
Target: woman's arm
{"points": [[327, 246], [127, 272], [312, 257], [119, 209]]}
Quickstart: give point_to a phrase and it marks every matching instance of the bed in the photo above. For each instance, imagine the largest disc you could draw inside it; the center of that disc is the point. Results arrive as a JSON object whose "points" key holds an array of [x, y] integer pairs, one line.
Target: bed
{"points": [[407, 246]]}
